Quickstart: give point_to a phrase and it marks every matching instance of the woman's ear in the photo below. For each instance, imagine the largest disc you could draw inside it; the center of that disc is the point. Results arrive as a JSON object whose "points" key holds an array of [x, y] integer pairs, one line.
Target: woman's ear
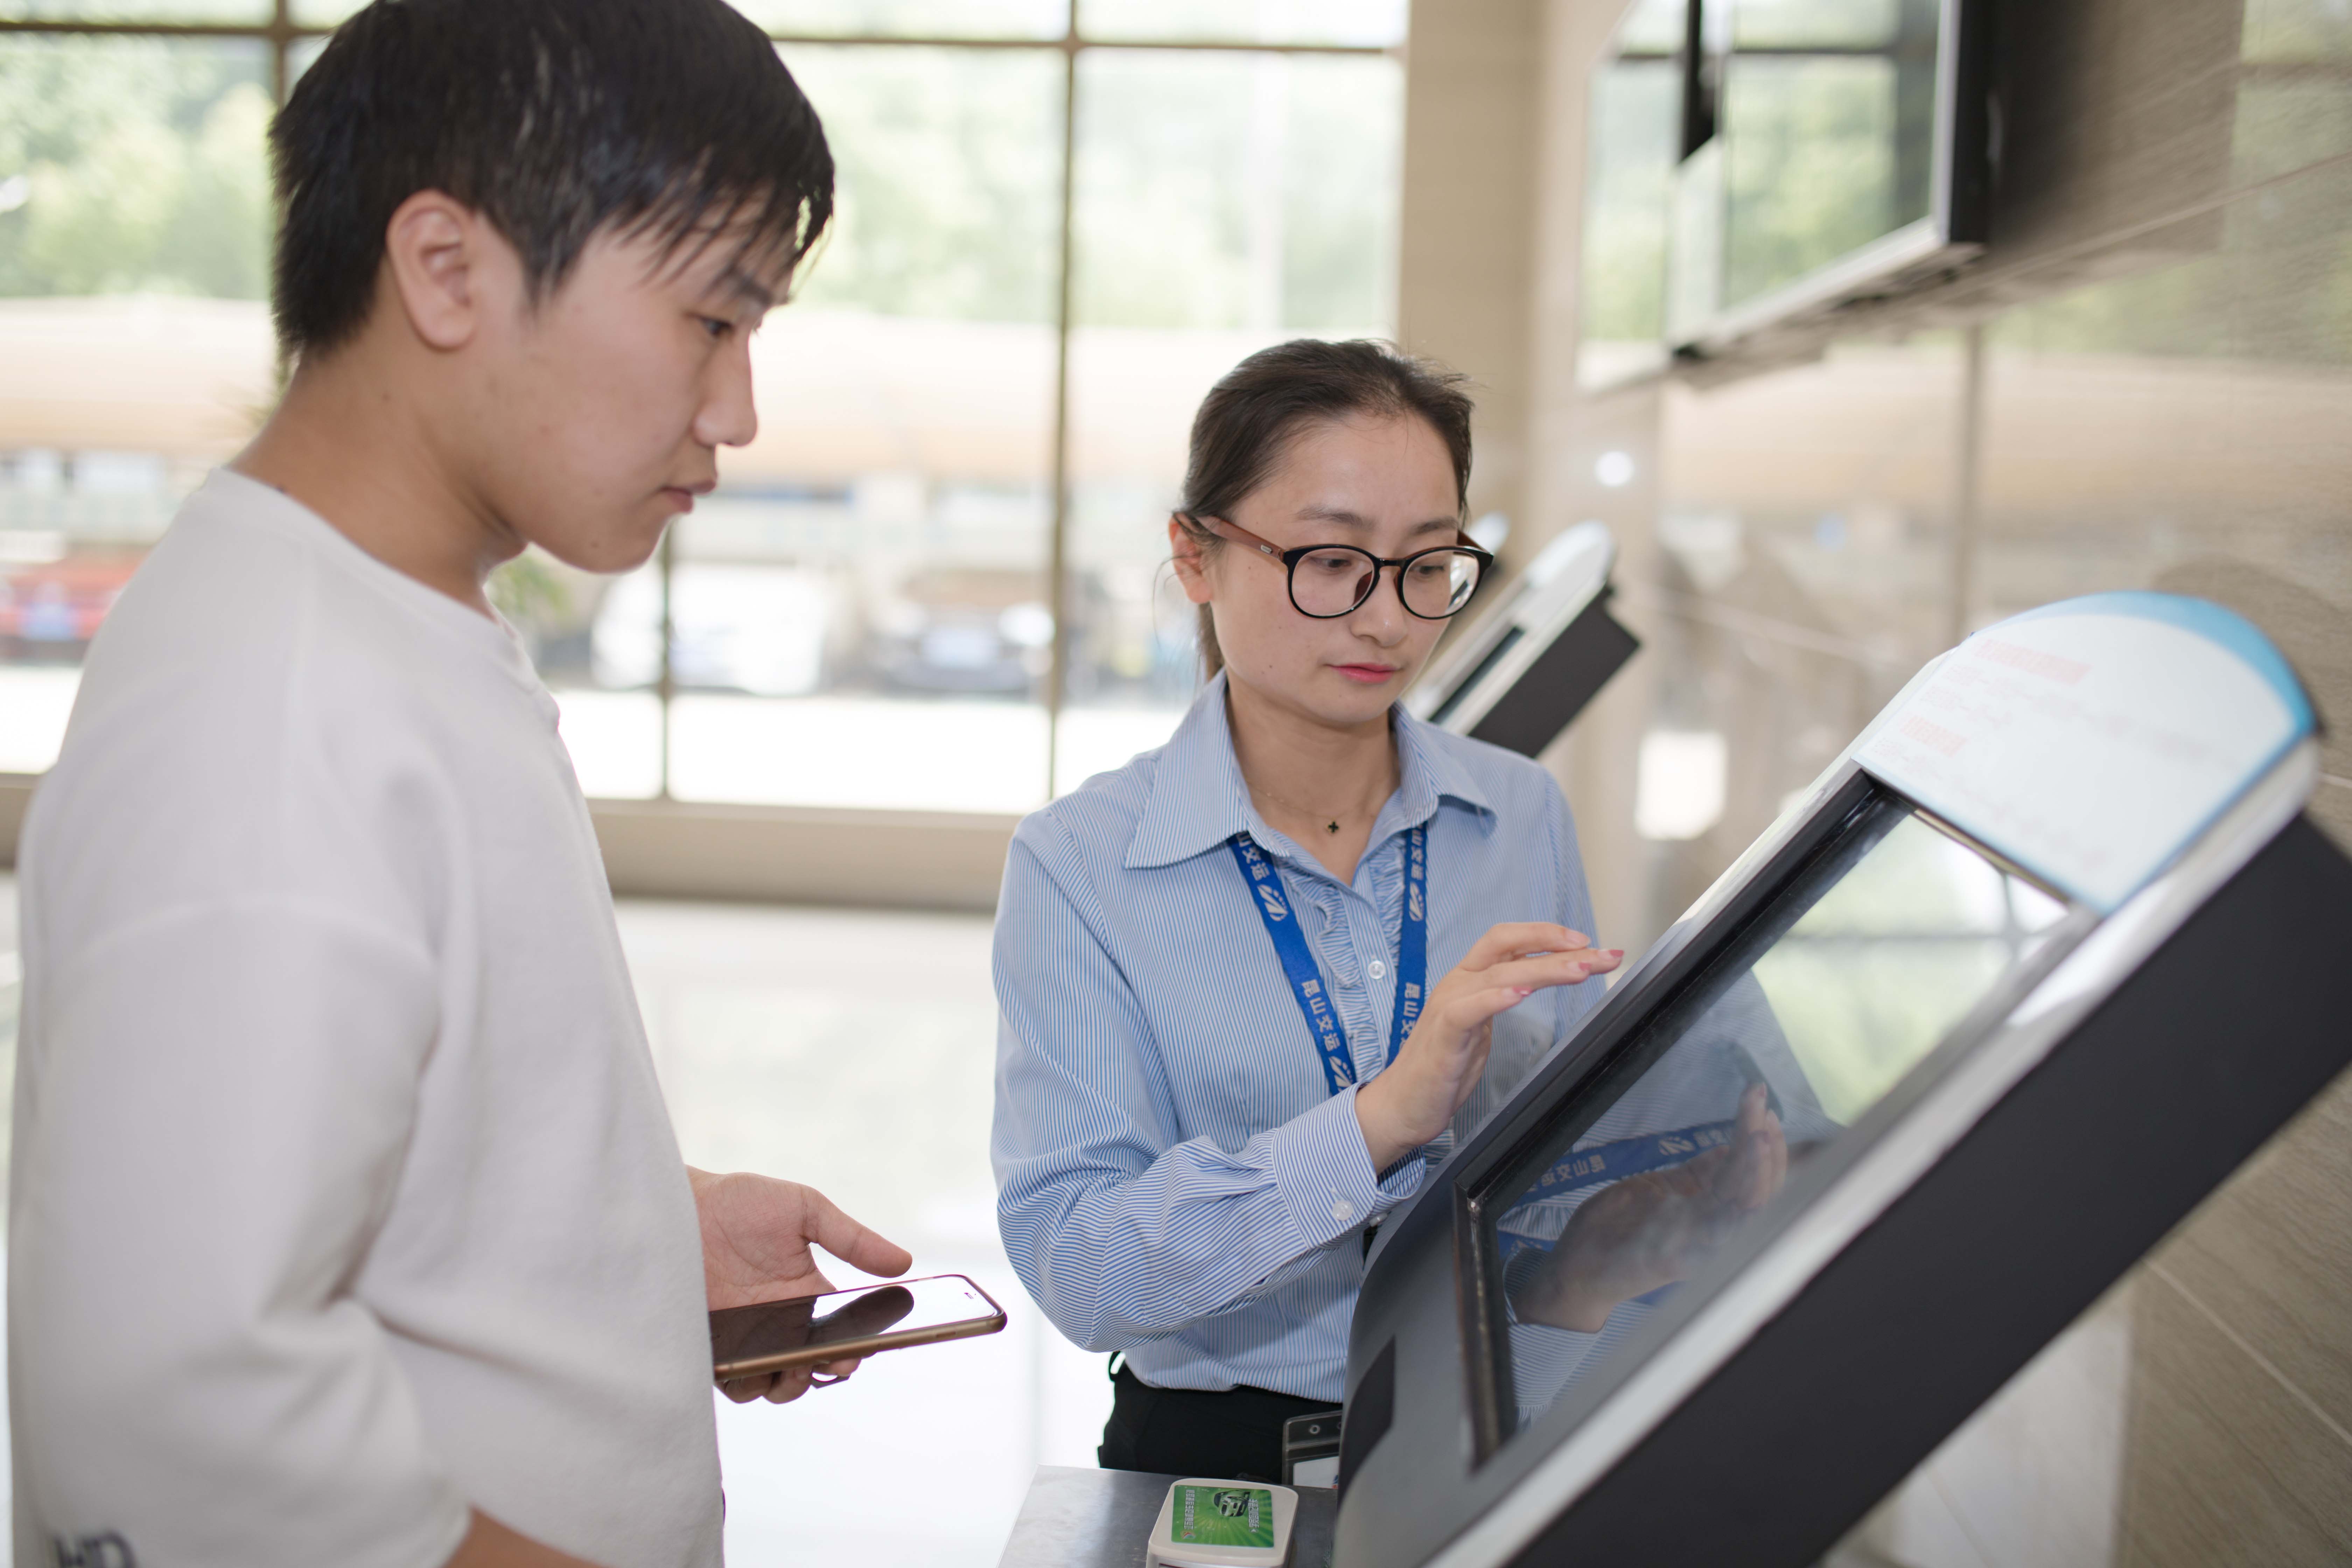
{"points": [[1191, 572]]}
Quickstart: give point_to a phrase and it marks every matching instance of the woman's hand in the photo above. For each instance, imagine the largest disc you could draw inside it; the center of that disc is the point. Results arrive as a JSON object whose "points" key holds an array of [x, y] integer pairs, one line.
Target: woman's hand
{"points": [[1657, 1228], [1412, 1101]]}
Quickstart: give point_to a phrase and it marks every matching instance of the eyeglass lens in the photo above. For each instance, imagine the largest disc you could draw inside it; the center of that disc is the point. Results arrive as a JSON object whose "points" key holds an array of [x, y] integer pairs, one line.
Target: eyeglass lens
{"points": [[1328, 583]]}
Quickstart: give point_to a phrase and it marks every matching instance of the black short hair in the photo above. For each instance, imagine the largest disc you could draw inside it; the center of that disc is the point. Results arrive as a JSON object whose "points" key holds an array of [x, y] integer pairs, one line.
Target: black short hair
{"points": [[554, 119], [1245, 426]]}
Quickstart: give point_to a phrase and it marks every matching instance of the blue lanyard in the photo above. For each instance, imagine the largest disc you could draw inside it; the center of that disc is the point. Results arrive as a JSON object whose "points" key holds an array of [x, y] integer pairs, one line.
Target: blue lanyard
{"points": [[1273, 907], [1582, 1168]]}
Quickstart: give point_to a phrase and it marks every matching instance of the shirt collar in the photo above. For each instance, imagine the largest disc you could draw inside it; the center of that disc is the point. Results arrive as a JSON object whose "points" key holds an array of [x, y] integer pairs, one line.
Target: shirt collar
{"points": [[1431, 768], [1198, 800]]}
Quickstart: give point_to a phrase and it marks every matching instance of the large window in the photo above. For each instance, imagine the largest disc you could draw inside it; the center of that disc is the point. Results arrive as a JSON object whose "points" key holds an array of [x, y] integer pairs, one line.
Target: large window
{"points": [[936, 580], [134, 339]]}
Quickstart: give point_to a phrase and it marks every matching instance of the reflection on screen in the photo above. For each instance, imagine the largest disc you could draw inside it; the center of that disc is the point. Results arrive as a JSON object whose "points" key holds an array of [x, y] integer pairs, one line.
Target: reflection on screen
{"points": [[1878, 952]]}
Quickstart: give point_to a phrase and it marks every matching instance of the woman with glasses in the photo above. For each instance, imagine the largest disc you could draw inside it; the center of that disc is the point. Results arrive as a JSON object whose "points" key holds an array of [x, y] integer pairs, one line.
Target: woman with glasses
{"points": [[1255, 984]]}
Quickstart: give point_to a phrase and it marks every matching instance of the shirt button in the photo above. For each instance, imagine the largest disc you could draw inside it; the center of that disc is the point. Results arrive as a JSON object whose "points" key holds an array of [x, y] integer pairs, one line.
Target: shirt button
{"points": [[1376, 969], [1343, 1211]]}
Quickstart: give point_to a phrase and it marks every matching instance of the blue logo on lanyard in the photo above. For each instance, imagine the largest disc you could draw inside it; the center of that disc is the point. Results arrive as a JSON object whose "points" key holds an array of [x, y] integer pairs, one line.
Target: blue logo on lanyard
{"points": [[1307, 980]]}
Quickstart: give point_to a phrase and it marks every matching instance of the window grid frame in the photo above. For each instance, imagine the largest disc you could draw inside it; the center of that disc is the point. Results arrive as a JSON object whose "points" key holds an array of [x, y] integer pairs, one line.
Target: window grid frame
{"points": [[283, 34]]}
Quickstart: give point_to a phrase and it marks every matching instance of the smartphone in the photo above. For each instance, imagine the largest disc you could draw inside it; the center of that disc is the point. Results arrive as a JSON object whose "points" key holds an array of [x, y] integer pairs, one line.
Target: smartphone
{"points": [[770, 1336]]}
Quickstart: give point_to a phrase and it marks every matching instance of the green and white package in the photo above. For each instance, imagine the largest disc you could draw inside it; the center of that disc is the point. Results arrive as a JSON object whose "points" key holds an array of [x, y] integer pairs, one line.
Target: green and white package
{"points": [[1224, 1525]]}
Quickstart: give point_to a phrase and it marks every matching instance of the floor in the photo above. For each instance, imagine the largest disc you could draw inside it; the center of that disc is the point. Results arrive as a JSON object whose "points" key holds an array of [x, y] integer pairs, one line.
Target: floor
{"points": [[854, 1050], [851, 1050]]}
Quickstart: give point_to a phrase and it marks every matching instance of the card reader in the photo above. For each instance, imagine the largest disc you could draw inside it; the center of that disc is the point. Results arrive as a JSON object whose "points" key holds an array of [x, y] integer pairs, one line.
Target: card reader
{"points": [[1224, 1525]]}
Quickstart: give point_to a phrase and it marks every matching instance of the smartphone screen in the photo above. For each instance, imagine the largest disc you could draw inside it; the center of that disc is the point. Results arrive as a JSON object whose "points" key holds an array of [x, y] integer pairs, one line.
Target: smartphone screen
{"points": [[771, 1336]]}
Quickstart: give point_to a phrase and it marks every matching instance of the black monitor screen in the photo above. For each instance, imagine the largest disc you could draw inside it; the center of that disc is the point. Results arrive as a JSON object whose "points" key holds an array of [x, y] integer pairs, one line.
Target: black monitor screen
{"points": [[1841, 987]]}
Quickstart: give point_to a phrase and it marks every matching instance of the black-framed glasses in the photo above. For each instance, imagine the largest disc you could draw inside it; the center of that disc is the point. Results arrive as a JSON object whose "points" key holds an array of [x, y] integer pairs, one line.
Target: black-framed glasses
{"points": [[1327, 581]]}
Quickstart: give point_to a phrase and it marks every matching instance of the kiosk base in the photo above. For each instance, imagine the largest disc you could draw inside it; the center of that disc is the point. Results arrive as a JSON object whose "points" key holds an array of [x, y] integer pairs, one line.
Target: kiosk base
{"points": [[1102, 1518]]}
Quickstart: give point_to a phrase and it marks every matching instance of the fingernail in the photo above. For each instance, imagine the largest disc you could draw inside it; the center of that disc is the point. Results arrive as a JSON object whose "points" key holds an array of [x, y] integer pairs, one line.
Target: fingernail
{"points": [[1616, 953], [1524, 989]]}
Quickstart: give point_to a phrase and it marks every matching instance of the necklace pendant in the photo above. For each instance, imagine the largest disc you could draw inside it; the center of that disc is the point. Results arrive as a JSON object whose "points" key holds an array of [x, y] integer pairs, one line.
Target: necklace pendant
{"points": [[1330, 827]]}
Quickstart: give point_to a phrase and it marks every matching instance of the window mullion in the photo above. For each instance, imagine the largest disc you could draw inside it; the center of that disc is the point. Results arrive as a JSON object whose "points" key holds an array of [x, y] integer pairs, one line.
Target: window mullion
{"points": [[1058, 561]]}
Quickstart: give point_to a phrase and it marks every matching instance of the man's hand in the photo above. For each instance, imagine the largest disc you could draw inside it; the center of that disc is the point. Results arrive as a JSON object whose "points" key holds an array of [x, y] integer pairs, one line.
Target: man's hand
{"points": [[756, 1233], [1658, 1228], [1412, 1101]]}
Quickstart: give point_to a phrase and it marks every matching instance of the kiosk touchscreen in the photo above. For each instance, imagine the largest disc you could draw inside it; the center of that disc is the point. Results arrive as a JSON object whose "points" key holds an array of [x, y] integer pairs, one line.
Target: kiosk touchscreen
{"points": [[2044, 957]]}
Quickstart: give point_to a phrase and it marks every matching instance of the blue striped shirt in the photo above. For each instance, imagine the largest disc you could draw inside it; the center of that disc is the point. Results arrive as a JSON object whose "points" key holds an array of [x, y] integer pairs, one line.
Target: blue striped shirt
{"points": [[1175, 1178]]}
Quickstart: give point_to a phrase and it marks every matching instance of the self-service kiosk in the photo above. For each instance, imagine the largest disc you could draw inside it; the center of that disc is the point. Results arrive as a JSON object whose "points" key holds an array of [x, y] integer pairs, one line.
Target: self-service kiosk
{"points": [[1534, 656], [2037, 962]]}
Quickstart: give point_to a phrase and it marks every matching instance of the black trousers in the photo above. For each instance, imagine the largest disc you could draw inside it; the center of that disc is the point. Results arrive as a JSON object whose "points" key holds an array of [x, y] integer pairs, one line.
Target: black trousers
{"points": [[1234, 1435]]}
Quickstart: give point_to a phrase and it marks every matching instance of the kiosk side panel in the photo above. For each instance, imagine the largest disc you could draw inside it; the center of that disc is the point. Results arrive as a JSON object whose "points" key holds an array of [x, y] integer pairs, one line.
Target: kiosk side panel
{"points": [[2237, 1022]]}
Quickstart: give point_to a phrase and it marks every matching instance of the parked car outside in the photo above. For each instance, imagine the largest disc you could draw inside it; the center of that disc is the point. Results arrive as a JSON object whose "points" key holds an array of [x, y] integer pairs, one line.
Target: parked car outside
{"points": [[759, 629], [50, 610]]}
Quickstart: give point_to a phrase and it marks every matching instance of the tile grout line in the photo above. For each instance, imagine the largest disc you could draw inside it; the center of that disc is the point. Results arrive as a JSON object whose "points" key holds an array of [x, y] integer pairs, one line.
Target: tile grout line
{"points": [[2339, 782], [2259, 1359]]}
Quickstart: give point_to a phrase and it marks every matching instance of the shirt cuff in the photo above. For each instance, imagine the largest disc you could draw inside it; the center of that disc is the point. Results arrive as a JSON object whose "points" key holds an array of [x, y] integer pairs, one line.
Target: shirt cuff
{"points": [[1325, 1173]]}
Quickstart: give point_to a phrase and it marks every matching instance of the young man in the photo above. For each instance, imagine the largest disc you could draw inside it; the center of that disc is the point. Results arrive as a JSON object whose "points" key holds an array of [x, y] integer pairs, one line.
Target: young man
{"points": [[346, 1224]]}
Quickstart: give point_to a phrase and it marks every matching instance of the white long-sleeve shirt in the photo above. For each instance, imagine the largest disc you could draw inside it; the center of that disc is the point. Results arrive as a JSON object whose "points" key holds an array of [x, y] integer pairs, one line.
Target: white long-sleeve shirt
{"points": [[342, 1197]]}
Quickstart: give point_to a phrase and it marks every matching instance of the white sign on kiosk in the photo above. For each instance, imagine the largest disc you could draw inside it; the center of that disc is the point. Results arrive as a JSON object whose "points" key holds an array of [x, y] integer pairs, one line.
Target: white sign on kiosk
{"points": [[2092, 740]]}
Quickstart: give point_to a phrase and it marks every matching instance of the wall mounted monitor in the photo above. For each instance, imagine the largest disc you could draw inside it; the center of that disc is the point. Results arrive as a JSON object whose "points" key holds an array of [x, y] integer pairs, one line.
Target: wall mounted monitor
{"points": [[2036, 964], [1518, 674], [1633, 139], [1757, 165]]}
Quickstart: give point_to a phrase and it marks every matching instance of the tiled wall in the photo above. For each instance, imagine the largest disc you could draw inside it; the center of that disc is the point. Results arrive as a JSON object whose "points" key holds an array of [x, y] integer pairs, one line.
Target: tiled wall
{"points": [[2146, 383]]}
